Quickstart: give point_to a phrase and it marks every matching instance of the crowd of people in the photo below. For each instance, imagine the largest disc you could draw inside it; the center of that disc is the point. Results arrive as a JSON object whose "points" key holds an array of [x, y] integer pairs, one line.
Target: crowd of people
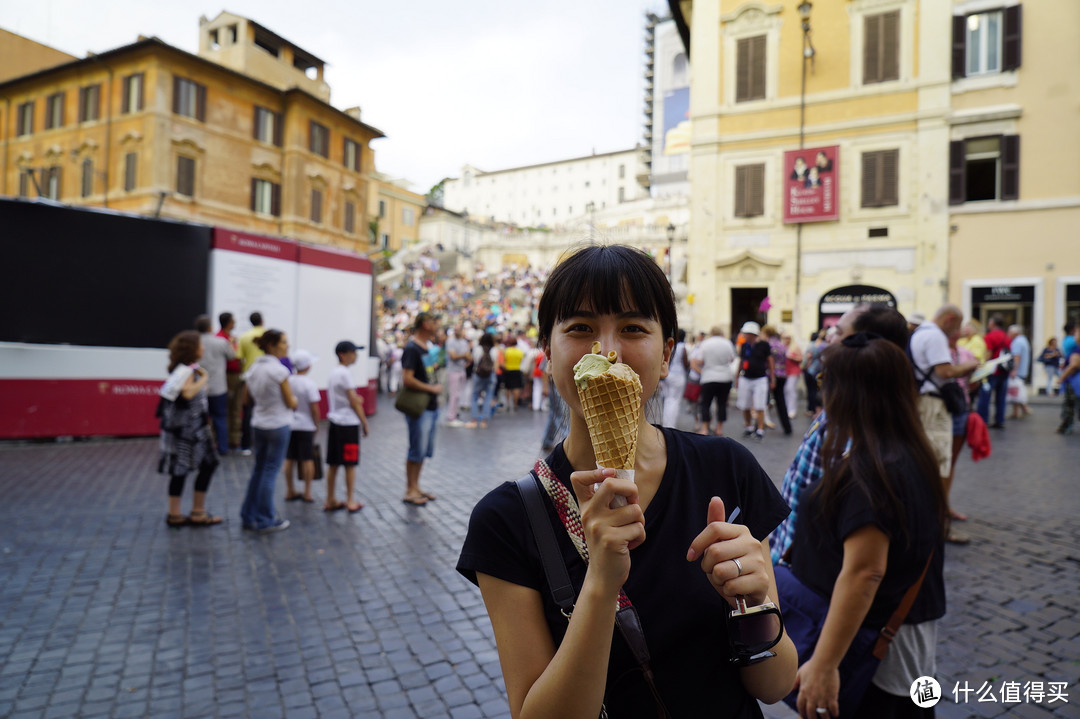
{"points": [[851, 547]]}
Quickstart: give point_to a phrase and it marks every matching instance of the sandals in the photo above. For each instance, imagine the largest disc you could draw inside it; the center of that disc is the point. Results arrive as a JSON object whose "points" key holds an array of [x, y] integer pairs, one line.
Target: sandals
{"points": [[428, 496], [416, 501], [293, 497], [355, 507], [203, 519], [334, 507], [176, 520]]}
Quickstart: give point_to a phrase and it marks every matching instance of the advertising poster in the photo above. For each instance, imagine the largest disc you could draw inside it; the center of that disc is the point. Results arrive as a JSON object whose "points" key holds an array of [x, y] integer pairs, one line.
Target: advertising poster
{"points": [[811, 184]]}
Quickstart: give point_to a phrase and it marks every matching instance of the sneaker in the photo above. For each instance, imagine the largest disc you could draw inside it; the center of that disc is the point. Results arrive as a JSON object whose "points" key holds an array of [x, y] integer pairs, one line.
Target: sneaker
{"points": [[759, 436], [278, 526], [455, 423], [748, 433], [245, 452]]}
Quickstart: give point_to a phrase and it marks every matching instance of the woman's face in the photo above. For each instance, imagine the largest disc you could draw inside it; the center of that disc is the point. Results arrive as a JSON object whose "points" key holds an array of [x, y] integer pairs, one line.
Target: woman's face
{"points": [[637, 341], [281, 349]]}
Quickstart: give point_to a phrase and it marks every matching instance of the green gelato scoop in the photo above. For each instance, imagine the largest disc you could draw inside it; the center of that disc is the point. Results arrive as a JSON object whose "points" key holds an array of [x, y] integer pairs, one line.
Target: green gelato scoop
{"points": [[590, 366]]}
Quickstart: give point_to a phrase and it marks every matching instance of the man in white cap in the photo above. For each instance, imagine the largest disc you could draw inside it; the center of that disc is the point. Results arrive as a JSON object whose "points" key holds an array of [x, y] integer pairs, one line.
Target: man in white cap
{"points": [[755, 380]]}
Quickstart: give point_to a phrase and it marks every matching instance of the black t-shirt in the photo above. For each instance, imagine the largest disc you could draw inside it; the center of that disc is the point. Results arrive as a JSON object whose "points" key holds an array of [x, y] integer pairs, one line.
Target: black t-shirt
{"points": [[755, 359], [682, 615], [413, 358], [818, 551]]}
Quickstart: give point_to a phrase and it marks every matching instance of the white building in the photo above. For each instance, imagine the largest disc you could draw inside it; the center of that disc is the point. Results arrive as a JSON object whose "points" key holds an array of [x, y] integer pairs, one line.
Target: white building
{"points": [[552, 194], [667, 108]]}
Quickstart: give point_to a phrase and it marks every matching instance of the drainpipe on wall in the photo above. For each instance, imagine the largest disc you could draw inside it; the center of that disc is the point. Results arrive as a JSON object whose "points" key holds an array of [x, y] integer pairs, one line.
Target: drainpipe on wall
{"points": [[7, 143]]}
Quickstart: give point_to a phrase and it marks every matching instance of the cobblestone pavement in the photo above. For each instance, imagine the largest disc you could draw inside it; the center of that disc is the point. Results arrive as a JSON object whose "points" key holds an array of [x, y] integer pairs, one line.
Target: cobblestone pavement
{"points": [[105, 612]]}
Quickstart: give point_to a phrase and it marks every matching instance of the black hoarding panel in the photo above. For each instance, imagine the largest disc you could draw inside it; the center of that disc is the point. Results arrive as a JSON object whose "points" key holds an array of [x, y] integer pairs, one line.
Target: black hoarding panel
{"points": [[85, 277]]}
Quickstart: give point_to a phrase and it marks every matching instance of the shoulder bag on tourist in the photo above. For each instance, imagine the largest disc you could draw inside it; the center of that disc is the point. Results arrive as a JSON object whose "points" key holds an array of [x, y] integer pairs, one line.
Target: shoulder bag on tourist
{"points": [[804, 617], [412, 402]]}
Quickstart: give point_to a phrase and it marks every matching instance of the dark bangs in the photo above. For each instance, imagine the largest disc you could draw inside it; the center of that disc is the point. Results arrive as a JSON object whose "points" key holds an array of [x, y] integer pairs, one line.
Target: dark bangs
{"points": [[607, 280]]}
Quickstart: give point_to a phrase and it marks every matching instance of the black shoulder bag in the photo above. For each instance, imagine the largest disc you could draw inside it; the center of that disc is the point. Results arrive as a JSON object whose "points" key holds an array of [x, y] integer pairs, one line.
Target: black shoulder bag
{"points": [[950, 393]]}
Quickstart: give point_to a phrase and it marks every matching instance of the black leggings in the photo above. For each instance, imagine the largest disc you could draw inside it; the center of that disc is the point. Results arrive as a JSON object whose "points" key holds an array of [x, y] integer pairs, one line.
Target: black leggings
{"points": [[719, 392], [202, 481], [781, 404]]}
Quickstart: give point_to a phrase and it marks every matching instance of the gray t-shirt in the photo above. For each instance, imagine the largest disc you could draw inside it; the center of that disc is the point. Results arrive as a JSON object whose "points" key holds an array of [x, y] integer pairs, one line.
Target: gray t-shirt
{"points": [[216, 352], [458, 346]]}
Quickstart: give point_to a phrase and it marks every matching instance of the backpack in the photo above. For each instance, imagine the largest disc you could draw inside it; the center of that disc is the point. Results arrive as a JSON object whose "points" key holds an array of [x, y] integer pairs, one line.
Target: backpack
{"points": [[485, 366]]}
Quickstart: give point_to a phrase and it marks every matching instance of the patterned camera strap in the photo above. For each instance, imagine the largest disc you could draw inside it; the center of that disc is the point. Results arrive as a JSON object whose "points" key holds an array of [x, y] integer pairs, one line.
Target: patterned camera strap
{"points": [[566, 507]]}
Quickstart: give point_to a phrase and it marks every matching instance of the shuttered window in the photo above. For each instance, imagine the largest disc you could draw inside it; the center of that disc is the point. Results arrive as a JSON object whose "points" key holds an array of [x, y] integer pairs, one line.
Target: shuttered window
{"points": [[24, 183], [350, 217], [316, 206], [189, 98], [185, 176], [90, 103], [750, 190], [265, 197], [25, 120], [986, 43], [131, 160], [54, 111], [87, 187], [881, 47], [133, 94], [352, 155], [984, 168], [319, 139], [268, 126], [750, 69], [880, 178], [53, 183]]}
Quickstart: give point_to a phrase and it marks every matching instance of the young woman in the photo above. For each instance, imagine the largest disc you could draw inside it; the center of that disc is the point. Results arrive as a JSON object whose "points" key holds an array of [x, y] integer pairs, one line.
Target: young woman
{"points": [[271, 425], [187, 443], [669, 548], [868, 527]]}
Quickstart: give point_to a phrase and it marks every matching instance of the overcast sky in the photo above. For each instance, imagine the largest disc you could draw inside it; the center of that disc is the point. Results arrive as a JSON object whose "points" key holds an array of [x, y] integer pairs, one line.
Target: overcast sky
{"points": [[492, 83]]}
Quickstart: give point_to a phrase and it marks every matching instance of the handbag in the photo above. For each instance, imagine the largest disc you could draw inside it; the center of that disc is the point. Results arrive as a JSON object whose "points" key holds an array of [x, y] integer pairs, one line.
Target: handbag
{"points": [[804, 617], [412, 402], [692, 392], [316, 451], [956, 402]]}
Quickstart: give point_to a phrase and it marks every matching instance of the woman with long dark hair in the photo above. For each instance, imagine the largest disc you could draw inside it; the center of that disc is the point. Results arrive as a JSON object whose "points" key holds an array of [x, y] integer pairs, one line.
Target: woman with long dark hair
{"points": [[187, 442], [271, 425], [667, 550], [868, 528]]}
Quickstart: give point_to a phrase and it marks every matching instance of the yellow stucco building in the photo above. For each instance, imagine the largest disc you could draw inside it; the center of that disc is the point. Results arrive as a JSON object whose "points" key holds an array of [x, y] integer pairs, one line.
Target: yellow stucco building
{"points": [[821, 189], [1014, 149], [395, 213], [949, 166], [241, 135]]}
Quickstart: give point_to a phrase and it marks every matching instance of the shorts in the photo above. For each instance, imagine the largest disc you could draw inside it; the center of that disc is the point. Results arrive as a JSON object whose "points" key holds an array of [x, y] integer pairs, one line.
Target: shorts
{"points": [[422, 435], [959, 424], [937, 423], [343, 445], [512, 379], [301, 446], [753, 393]]}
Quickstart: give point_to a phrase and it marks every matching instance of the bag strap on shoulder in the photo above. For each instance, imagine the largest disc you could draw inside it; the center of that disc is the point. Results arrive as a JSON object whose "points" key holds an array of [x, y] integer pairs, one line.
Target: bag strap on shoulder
{"points": [[888, 632], [562, 591]]}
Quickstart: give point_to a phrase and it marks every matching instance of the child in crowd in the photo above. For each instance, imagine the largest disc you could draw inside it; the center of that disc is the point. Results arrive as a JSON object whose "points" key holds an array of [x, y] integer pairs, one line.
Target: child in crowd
{"points": [[304, 425], [346, 418]]}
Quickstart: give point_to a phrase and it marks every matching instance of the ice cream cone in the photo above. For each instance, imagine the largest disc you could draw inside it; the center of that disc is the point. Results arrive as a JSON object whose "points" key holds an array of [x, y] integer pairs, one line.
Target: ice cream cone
{"points": [[611, 404]]}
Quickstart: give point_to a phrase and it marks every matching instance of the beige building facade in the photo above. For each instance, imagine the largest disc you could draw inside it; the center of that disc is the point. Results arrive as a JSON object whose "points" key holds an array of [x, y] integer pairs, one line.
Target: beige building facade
{"points": [[1014, 148], [876, 102], [396, 214], [150, 129]]}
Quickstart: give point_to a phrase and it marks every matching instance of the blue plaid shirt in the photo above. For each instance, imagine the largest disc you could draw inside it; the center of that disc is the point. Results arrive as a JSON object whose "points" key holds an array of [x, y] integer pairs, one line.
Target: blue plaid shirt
{"points": [[805, 470]]}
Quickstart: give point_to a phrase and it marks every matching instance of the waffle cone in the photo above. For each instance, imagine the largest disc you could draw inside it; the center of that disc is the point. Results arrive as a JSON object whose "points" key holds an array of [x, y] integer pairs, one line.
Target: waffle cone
{"points": [[611, 403]]}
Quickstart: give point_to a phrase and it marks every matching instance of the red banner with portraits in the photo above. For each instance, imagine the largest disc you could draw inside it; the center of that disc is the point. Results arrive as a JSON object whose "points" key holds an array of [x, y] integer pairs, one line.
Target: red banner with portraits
{"points": [[812, 184]]}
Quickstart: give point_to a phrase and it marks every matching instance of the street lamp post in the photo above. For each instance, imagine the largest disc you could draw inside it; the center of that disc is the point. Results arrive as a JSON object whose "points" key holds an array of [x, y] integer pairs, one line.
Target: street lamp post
{"points": [[807, 54], [670, 245]]}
